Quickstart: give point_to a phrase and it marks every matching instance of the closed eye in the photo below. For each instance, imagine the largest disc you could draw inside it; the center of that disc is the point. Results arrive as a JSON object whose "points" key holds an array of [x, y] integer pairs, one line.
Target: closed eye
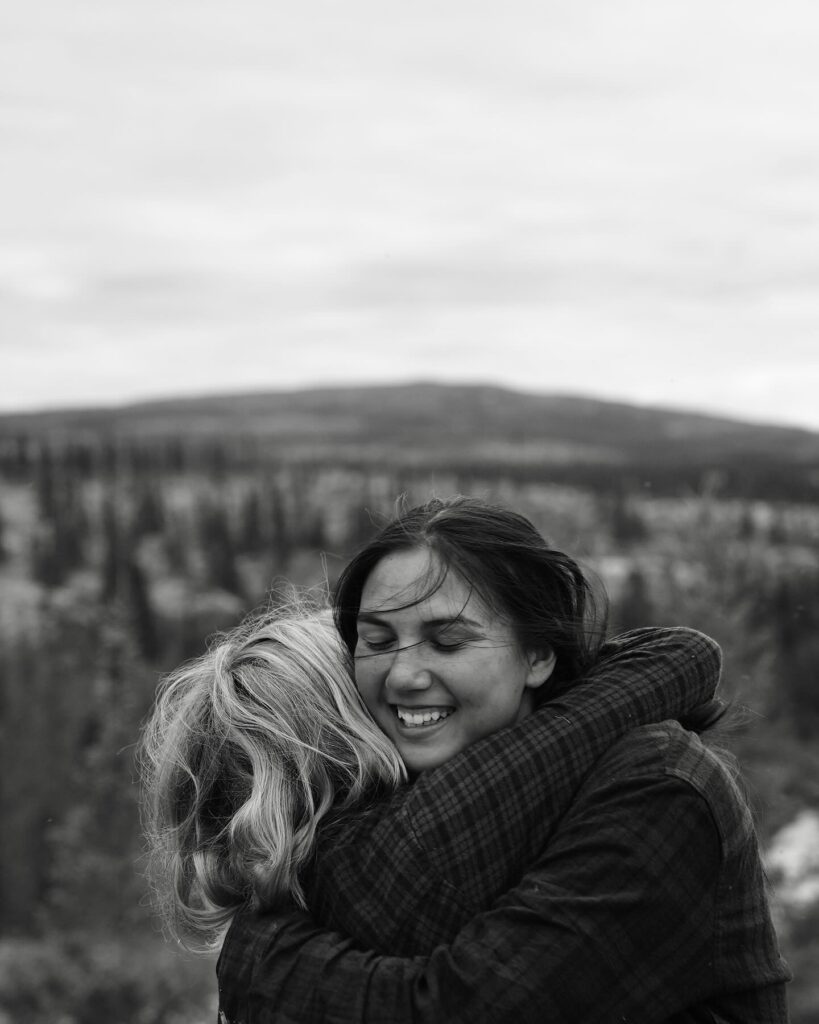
{"points": [[441, 644], [376, 645]]}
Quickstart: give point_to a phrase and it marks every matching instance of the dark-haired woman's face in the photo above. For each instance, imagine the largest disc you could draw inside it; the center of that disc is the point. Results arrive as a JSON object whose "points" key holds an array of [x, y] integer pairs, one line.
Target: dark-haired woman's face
{"points": [[439, 670]]}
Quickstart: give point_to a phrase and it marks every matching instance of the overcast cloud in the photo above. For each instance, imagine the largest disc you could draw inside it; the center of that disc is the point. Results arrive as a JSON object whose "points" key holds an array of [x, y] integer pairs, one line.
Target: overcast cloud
{"points": [[617, 199]]}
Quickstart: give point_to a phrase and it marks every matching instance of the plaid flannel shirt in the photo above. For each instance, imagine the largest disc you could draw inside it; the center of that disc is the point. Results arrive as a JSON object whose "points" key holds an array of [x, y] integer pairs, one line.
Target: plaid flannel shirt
{"points": [[610, 921]]}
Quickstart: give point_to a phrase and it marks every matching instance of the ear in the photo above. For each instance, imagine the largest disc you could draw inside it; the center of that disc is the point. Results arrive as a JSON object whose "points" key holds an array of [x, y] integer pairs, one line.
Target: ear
{"points": [[541, 665]]}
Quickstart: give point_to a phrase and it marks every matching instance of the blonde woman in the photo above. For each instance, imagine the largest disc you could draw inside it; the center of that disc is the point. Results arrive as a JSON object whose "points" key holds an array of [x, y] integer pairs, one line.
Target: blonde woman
{"points": [[250, 749]]}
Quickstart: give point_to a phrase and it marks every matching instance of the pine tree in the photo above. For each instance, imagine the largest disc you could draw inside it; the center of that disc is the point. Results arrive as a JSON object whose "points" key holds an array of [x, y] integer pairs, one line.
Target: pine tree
{"points": [[149, 514], [112, 559], [45, 485], [281, 540], [44, 561], [625, 522], [634, 608], [217, 546], [176, 543], [142, 617], [251, 535]]}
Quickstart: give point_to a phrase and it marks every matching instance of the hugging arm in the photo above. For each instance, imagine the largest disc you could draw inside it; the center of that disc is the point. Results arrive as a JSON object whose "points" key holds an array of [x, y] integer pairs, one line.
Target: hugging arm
{"points": [[409, 878], [534, 768], [614, 922], [649, 904], [383, 881]]}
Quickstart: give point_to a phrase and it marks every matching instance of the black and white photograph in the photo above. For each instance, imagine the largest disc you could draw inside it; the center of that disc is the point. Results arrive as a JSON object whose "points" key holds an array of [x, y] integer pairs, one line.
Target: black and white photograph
{"points": [[409, 512]]}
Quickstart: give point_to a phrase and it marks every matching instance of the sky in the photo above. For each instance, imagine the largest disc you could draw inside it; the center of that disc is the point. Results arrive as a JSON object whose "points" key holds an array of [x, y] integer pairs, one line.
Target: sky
{"points": [[619, 200]]}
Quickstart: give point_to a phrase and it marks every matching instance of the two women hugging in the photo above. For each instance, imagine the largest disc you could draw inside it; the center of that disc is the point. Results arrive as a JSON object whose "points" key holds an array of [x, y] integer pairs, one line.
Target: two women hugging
{"points": [[454, 800]]}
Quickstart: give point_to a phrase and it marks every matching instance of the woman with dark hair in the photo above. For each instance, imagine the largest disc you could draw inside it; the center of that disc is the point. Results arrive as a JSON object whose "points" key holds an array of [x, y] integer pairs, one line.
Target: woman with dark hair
{"points": [[638, 894]]}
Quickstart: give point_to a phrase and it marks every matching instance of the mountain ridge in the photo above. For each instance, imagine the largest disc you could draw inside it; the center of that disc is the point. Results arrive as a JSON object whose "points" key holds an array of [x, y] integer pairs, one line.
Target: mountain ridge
{"points": [[214, 399], [418, 412]]}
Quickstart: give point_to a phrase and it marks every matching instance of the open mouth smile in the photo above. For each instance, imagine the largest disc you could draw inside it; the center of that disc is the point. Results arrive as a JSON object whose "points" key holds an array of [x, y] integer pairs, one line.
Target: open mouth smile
{"points": [[420, 718]]}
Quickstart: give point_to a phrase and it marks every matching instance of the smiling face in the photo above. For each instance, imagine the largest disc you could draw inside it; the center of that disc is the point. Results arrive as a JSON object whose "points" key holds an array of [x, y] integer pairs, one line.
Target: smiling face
{"points": [[438, 671]]}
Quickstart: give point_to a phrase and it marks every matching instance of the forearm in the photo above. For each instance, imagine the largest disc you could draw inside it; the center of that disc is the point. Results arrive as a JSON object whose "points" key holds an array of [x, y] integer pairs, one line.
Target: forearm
{"points": [[639, 949], [467, 831], [306, 975], [535, 768]]}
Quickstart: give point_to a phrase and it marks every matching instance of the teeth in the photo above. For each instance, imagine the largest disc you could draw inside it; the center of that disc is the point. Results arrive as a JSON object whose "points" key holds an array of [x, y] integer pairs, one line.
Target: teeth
{"points": [[421, 718]]}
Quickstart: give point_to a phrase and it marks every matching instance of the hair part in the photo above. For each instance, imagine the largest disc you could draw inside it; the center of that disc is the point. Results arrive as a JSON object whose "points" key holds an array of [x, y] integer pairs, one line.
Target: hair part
{"points": [[248, 750], [542, 592]]}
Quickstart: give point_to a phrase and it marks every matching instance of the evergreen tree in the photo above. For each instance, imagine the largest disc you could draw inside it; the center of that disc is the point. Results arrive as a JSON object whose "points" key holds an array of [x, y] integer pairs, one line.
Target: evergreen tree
{"points": [[311, 533], [251, 535], [361, 528], [112, 555], [44, 561], [746, 529], [799, 672], [142, 617], [109, 459], [57, 545], [22, 784], [173, 456], [217, 546], [70, 525], [778, 530], [45, 485], [17, 459], [282, 541], [634, 608], [626, 524], [176, 539], [149, 515]]}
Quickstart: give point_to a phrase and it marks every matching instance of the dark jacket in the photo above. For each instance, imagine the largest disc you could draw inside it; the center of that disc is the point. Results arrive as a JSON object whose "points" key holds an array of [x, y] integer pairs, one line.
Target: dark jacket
{"points": [[643, 898]]}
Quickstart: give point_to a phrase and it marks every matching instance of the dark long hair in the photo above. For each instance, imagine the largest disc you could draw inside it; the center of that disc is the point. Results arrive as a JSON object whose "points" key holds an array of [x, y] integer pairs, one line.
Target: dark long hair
{"points": [[542, 592]]}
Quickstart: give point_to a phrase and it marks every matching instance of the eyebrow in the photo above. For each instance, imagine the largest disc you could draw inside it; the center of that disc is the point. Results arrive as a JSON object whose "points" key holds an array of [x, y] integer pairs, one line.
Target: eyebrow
{"points": [[453, 620]]}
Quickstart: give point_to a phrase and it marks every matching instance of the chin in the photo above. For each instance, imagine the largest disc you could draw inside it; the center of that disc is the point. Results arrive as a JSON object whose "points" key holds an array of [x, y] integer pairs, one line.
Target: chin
{"points": [[417, 761]]}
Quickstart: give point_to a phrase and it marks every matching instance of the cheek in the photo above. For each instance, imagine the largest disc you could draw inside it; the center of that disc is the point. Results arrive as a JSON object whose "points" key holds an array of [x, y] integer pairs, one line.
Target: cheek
{"points": [[367, 682], [504, 686]]}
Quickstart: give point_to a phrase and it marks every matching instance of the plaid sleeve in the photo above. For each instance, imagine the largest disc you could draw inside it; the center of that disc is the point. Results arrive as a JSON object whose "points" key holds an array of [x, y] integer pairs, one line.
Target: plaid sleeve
{"points": [[621, 919], [466, 832], [510, 789]]}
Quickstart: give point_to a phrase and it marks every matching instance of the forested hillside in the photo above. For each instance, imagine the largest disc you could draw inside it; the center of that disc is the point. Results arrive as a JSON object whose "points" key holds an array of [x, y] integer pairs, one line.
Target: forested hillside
{"points": [[127, 537]]}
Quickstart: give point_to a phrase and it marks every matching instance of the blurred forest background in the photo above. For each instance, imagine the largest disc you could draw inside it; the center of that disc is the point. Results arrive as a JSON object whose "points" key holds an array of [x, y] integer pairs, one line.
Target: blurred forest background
{"points": [[129, 536]]}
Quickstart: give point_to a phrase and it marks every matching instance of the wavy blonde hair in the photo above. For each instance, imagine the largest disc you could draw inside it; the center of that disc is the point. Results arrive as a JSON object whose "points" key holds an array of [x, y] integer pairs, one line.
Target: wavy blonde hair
{"points": [[248, 749]]}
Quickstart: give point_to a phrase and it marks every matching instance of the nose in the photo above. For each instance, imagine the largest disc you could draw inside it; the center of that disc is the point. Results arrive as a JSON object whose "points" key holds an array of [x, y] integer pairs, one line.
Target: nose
{"points": [[407, 671]]}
